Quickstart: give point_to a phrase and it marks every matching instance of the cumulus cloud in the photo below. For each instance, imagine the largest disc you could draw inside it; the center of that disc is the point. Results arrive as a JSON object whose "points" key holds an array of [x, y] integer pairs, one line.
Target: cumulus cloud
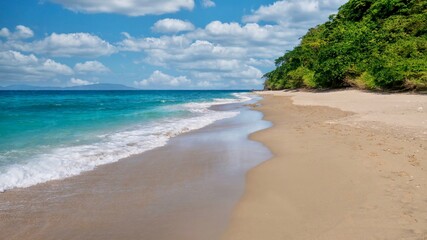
{"points": [[78, 82], [91, 67], [164, 42], [63, 45], [127, 7], [217, 55], [15, 66], [233, 53], [4, 32], [238, 59], [169, 25], [208, 3], [21, 32], [161, 80], [295, 12], [71, 44], [248, 35], [192, 56]]}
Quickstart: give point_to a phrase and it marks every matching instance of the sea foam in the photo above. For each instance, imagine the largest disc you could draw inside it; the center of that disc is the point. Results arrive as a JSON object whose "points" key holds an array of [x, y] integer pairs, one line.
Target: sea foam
{"points": [[67, 161]]}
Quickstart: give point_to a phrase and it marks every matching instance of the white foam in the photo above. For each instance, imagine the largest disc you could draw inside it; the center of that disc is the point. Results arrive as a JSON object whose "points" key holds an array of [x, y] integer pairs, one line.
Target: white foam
{"points": [[69, 161]]}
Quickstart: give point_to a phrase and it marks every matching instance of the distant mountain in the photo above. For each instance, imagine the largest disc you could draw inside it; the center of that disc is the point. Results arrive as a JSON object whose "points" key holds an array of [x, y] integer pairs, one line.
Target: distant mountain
{"points": [[92, 87]]}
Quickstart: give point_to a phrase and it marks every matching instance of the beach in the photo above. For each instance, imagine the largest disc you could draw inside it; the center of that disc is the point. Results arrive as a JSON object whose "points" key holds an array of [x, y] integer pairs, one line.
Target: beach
{"points": [[183, 190], [294, 165], [346, 165]]}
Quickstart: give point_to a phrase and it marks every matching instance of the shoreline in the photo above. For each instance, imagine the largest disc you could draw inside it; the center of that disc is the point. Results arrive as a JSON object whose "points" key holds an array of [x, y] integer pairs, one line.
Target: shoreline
{"points": [[38, 164], [334, 174], [185, 189]]}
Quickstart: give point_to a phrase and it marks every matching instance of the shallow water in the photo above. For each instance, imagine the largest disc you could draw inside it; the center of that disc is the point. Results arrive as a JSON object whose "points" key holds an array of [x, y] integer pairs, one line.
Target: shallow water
{"points": [[48, 135], [183, 190]]}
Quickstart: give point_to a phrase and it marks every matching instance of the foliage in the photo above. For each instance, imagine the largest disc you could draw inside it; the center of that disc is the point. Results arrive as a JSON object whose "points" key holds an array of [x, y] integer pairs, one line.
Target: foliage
{"points": [[370, 44]]}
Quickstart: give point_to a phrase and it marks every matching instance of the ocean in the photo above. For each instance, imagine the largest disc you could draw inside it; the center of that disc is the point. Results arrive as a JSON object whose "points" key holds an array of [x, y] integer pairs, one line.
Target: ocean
{"points": [[48, 135]]}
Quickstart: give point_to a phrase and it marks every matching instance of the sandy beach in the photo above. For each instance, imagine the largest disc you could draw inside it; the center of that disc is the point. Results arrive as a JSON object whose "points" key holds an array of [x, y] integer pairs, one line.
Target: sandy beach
{"points": [[346, 165], [184, 190], [331, 165]]}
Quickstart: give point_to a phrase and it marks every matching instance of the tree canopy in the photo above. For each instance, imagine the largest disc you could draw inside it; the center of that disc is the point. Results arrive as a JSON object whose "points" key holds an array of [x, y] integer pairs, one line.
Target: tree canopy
{"points": [[369, 44]]}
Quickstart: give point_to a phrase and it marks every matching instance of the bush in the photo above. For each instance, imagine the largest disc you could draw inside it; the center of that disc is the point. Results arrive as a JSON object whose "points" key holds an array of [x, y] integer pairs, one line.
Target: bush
{"points": [[371, 44]]}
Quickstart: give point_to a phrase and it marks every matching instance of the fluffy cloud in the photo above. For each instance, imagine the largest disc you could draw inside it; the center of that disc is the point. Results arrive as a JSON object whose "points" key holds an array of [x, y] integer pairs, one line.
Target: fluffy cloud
{"points": [[164, 42], [232, 53], [64, 45], [78, 82], [295, 12], [204, 60], [72, 44], [192, 55], [127, 7], [169, 25], [161, 80], [21, 32], [208, 3], [249, 35], [15, 66], [91, 66]]}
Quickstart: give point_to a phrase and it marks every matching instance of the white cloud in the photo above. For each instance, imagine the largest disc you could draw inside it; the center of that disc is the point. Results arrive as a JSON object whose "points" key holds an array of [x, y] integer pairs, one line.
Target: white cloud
{"points": [[208, 3], [163, 42], [65, 45], [260, 62], [73, 44], [160, 80], [15, 66], [205, 60], [21, 32], [268, 41], [127, 7], [78, 82], [295, 12], [169, 25], [218, 55], [4, 32], [91, 66], [204, 84], [245, 72], [253, 82], [231, 53], [252, 31], [194, 53]]}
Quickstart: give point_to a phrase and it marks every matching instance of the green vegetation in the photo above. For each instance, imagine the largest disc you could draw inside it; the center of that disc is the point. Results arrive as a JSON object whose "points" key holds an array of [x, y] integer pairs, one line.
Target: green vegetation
{"points": [[369, 44]]}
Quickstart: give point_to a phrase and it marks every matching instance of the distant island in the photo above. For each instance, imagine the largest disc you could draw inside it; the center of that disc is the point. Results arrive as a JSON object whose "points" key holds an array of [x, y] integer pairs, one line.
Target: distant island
{"points": [[375, 45], [91, 87]]}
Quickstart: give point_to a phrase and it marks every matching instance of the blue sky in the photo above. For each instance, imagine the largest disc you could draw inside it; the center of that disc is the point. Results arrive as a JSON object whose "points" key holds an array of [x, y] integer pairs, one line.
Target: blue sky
{"points": [[162, 44]]}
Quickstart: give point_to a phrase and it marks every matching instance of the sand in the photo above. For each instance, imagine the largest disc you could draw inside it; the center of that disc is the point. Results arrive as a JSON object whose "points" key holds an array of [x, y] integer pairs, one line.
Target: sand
{"points": [[184, 190], [346, 165]]}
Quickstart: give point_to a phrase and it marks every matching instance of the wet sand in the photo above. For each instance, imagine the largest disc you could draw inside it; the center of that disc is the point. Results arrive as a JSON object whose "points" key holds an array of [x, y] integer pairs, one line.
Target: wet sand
{"points": [[346, 165], [184, 190]]}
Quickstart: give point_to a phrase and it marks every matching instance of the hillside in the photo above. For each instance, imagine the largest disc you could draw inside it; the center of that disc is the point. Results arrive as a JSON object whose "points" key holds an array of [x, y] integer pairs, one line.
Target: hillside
{"points": [[368, 44]]}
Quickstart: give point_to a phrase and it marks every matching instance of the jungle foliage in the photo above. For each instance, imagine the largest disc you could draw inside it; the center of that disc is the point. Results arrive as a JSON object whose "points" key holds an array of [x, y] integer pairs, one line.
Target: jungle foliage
{"points": [[369, 44]]}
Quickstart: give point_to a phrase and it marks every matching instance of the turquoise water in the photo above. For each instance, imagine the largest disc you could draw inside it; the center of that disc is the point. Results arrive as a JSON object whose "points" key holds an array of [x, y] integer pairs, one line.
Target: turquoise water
{"points": [[46, 135]]}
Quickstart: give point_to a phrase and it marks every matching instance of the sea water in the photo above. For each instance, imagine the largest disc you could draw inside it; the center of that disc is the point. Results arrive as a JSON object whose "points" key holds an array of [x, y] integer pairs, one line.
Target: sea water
{"points": [[48, 135]]}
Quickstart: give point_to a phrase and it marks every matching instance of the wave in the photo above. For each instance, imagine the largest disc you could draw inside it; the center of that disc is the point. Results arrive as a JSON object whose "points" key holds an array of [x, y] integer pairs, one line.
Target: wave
{"points": [[63, 162]]}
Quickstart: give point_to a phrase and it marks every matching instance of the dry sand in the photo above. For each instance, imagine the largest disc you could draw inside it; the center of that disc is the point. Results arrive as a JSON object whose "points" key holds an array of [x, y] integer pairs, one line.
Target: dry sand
{"points": [[352, 167]]}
